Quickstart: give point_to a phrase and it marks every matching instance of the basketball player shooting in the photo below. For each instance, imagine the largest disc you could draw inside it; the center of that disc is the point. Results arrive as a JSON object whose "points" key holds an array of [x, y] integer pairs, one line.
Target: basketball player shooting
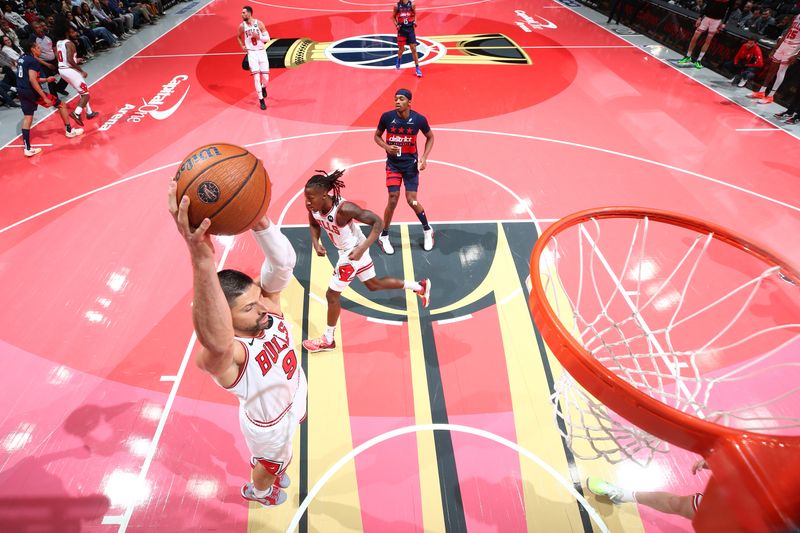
{"points": [[247, 347], [252, 37], [339, 218]]}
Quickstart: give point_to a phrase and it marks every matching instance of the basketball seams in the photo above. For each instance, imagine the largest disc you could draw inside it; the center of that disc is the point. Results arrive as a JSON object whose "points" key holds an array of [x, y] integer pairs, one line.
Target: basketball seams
{"points": [[235, 193], [212, 165], [263, 201]]}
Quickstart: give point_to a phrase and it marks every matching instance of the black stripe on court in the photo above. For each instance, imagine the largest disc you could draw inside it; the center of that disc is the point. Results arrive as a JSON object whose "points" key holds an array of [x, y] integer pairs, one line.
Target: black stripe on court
{"points": [[302, 272], [449, 488], [521, 238]]}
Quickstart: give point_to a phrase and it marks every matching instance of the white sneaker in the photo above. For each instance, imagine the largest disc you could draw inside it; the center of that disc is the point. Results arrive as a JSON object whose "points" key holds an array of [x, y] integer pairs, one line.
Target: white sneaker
{"points": [[32, 152], [386, 246], [427, 245], [74, 132], [742, 82]]}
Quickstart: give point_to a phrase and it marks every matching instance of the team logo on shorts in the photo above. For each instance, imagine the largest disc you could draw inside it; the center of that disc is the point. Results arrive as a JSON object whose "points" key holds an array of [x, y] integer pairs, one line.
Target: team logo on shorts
{"points": [[208, 192], [330, 218]]}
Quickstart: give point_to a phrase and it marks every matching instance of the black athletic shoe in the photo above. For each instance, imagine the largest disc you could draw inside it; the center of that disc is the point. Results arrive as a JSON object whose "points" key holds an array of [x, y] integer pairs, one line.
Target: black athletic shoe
{"points": [[263, 92], [76, 118], [92, 115], [262, 104]]}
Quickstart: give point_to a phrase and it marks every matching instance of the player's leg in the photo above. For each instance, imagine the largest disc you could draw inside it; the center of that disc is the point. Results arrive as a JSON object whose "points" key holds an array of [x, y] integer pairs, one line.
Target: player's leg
{"points": [[688, 57], [342, 276], [62, 111], [779, 75], [77, 82], [412, 43], [263, 66], [769, 75], [411, 182], [706, 44], [28, 107], [421, 288], [393, 180], [401, 47]]}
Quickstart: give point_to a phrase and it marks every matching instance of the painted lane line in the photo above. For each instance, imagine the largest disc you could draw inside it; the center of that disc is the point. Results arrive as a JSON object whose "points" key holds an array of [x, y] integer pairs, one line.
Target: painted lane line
{"points": [[454, 319], [511, 296], [23, 146], [168, 378], [385, 322], [759, 129], [315, 297], [162, 422], [301, 510]]}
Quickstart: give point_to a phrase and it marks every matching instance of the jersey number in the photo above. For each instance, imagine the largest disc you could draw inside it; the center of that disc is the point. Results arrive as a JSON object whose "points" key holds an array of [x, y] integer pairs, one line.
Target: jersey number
{"points": [[60, 57], [271, 353], [254, 40]]}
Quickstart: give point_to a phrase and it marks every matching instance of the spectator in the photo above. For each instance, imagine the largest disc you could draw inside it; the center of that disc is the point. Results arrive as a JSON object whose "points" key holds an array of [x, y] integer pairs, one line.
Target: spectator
{"points": [[47, 58], [115, 26], [84, 19], [10, 50], [750, 18], [7, 95], [30, 14], [86, 39], [20, 25], [760, 24], [139, 10], [739, 13], [746, 64], [113, 10], [7, 30]]}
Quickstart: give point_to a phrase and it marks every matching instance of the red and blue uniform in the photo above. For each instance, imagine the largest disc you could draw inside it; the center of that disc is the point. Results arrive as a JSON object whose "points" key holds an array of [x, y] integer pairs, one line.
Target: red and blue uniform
{"points": [[403, 133], [29, 99], [406, 21]]}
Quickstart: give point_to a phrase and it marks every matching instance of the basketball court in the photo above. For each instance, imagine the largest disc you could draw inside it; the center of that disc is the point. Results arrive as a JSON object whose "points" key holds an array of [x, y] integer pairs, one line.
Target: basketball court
{"points": [[434, 419]]}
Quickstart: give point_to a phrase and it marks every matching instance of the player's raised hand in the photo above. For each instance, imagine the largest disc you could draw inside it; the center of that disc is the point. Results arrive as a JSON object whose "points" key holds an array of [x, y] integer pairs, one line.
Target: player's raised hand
{"points": [[698, 466], [197, 239]]}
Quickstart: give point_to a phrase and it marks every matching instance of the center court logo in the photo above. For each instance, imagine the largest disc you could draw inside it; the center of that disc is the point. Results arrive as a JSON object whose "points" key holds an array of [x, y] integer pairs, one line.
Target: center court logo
{"points": [[153, 107]]}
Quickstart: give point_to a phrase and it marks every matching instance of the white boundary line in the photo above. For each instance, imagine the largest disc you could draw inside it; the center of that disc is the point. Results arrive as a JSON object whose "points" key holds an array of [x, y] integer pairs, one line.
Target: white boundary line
{"points": [[457, 130], [384, 321], [759, 129], [322, 10], [454, 319], [162, 422], [190, 55], [442, 427], [177, 23]]}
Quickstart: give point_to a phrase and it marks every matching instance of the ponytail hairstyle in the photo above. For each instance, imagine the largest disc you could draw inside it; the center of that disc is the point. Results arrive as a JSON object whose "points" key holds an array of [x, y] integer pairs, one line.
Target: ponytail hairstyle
{"points": [[327, 182]]}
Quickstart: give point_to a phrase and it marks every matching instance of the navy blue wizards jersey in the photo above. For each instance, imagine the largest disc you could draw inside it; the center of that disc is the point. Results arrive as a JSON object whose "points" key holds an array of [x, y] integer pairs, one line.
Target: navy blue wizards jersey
{"points": [[403, 133], [25, 64], [405, 15]]}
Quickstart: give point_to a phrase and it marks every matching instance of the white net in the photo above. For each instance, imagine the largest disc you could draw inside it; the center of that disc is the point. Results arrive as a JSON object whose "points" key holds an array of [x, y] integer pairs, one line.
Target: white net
{"points": [[688, 319]]}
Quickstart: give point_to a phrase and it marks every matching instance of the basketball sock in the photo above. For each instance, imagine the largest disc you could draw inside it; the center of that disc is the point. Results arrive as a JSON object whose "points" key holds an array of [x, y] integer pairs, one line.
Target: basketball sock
{"points": [[701, 56], [88, 108], [262, 493], [763, 90], [329, 331], [412, 286], [257, 83], [779, 77], [424, 220], [68, 127], [26, 138], [78, 110], [385, 233]]}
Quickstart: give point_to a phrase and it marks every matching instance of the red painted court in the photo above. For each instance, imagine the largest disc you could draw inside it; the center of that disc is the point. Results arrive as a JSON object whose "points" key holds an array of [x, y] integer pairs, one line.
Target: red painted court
{"points": [[109, 426]]}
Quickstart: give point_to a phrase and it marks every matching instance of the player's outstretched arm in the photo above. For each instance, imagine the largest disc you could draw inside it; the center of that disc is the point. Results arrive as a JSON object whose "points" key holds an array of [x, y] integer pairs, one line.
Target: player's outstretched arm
{"points": [[279, 260], [210, 312], [316, 233], [347, 212]]}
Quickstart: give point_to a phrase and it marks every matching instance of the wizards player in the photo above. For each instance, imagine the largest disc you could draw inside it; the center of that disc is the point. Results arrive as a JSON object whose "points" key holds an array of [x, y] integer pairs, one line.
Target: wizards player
{"points": [[402, 126], [404, 17]]}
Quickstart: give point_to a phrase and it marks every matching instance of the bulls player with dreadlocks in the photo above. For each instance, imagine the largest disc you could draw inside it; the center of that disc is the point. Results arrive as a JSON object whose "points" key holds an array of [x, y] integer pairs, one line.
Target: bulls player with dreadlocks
{"points": [[404, 16], [252, 37], [339, 218]]}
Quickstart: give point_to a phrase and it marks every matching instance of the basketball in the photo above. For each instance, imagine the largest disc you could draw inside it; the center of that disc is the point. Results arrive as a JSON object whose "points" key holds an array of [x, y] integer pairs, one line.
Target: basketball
{"points": [[226, 184]]}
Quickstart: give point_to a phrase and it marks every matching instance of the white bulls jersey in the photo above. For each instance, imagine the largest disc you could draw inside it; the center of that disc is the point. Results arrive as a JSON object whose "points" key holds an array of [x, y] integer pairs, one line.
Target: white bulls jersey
{"points": [[344, 237], [271, 375], [61, 54], [253, 38], [791, 42]]}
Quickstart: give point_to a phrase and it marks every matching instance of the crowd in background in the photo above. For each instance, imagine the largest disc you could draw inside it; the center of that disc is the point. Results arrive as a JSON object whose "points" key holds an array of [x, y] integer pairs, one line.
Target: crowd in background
{"points": [[766, 18], [99, 25]]}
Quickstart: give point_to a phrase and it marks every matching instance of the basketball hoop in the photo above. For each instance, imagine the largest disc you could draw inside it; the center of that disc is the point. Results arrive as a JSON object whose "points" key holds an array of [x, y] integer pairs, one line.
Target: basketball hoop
{"points": [[675, 330]]}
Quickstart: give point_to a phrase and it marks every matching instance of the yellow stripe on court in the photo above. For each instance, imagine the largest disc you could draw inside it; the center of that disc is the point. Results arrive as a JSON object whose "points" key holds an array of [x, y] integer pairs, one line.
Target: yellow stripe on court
{"points": [[432, 512]]}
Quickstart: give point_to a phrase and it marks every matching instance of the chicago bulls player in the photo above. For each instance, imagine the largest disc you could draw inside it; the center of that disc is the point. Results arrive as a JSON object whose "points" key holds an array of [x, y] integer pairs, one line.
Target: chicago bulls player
{"points": [[402, 126], [70, 70], [404, 16], [252, 37], [247, 347], [339, 218]]}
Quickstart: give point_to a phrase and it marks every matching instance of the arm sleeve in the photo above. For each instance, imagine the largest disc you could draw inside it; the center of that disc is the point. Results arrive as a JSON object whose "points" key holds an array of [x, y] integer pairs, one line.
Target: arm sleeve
{"points": [[382, 123], [279, 259]]}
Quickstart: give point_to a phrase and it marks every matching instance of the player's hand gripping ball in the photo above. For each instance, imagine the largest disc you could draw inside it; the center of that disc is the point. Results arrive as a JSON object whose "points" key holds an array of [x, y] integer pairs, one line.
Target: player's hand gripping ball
{"points": [[226, 184]]}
